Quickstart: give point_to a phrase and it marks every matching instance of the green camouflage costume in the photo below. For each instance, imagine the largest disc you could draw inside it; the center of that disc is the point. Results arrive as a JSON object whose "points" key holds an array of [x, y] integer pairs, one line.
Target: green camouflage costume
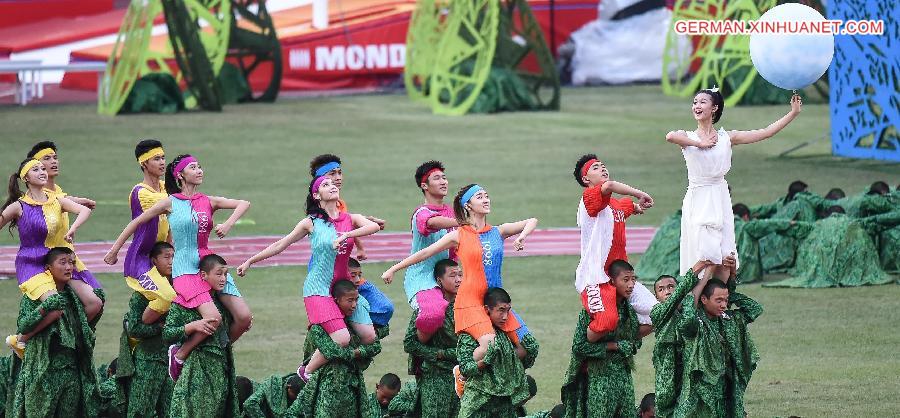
{"points": [[837, 251], [376, 409], [881, 224], [337, 389], [432, 364], [10, 377], [6, 366], [269, 398], [778, 251], [532, 349], [144, 388], [406, 403], [719, 358], [748, 235], [107, 388], [598, 382], [667, 352], [206, 385], [494, 391], [57, 378]]}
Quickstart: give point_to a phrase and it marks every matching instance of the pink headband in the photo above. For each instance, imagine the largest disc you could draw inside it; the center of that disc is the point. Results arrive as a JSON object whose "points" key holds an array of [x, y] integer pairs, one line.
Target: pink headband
{"points": [[316, 183], [183, 164]]}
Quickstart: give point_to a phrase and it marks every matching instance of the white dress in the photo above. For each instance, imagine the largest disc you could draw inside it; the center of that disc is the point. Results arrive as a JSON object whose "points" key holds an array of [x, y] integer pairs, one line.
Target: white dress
{"points": [[707, 222]]}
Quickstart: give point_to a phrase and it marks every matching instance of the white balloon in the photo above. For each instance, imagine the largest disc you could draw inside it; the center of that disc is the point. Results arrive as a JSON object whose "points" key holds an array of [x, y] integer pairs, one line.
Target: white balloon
{"points": [[791, 61]]}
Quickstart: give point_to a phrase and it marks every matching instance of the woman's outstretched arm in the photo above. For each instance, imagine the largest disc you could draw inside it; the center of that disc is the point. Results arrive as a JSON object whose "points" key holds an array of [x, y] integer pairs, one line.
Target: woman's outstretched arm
{"points": [[756, 135]]}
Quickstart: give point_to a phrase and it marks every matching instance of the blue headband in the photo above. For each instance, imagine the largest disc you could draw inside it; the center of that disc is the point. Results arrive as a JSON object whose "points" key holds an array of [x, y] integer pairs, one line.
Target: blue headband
{"points": [[469, 193], [323, 170]]}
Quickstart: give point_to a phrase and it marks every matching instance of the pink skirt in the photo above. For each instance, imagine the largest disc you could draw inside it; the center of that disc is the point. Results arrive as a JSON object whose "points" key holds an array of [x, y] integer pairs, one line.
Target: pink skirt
{"points": [[322, 310], [432, 309], [192, 291]]}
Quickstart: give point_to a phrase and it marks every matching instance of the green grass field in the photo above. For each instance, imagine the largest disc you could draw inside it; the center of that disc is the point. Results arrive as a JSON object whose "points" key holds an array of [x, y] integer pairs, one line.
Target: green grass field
{"points": [[824, 352]]}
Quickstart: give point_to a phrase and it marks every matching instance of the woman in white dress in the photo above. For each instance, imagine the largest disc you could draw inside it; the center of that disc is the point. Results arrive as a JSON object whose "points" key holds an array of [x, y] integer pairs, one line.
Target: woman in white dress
{"points": [[707, 223]]}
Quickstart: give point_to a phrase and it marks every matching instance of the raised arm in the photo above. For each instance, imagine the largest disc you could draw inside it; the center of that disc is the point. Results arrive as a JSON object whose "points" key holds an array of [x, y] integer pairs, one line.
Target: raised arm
{"points": [[163, 206], [83, 201], [704, 278], [756, 135], [688, 324], [644, 199], [523, 228], [441, 222], [682, 139], [240, 207], [303, 228], [664, 311], [446, 242], [83, 213], [363, 227]]}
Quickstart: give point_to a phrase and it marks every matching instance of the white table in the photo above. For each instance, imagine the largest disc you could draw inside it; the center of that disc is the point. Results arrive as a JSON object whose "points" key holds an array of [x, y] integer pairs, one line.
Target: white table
{"points": [[29, 82]]}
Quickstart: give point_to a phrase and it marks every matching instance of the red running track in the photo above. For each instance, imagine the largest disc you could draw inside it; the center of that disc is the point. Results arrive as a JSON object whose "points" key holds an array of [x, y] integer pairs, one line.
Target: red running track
{"points": [[385, 246]]}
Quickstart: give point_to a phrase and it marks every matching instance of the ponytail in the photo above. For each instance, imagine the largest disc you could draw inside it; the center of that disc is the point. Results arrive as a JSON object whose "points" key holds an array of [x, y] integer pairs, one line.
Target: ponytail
{"points": [[173, 185], [14, 192], [459, 210]]}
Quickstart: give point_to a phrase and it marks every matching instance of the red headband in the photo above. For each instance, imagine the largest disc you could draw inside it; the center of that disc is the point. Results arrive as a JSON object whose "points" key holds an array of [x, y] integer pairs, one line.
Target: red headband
{"points": [[587, 166], [424, 178]]}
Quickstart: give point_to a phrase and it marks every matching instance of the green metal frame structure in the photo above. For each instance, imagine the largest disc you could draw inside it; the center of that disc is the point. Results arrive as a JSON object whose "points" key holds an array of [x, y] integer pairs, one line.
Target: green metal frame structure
{"points": [[426, 26], [202, 33], [254, 42], [716, 56], [199, 49], [475, 36]]}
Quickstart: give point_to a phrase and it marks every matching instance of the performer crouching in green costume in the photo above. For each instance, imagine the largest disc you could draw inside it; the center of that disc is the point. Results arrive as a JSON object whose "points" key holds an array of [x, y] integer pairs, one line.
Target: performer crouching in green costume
{"points": [[337, 389], [386, 391], [432, 362], [206, 385], [495, 384], [598, 382], [144, 388], [273, 396], [57, 378], [719, 355]]}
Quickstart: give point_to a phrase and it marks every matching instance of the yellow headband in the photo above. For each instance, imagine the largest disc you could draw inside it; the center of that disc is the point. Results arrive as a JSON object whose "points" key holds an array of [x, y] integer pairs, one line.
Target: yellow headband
{"points": [[43, 153], [150, 154], [27, 167]]}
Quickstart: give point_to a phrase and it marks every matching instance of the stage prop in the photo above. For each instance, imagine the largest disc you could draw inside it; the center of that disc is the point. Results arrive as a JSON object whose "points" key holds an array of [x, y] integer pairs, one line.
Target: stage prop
{"points": [[864, 104], [202, 35], [481, 42]]}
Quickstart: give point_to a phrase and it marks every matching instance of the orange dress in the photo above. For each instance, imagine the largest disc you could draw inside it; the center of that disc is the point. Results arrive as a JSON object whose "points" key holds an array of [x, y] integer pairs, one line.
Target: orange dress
{"points": [[468, 310]]}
